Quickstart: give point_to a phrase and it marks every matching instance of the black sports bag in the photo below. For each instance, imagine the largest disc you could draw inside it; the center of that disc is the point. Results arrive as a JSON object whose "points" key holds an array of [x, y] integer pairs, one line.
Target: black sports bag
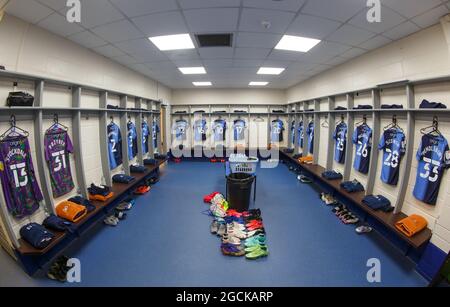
{"points": [[20, 99]]}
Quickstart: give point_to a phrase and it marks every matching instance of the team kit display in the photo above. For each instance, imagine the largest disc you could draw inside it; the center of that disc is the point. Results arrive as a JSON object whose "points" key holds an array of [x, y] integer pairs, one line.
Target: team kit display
{"points": [[231, 147]]}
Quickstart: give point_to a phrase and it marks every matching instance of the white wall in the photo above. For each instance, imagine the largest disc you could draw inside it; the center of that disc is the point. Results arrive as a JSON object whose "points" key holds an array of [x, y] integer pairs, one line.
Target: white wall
{"points": [[422, 55], [29, 49]]}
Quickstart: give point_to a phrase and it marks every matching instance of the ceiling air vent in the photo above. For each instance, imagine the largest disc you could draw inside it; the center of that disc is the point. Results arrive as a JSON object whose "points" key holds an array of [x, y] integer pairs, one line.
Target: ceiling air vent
{"points": [[214, 40]]}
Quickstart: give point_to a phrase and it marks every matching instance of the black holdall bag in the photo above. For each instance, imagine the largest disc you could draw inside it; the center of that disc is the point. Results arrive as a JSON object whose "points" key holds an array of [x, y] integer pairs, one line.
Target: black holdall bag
{"points": [[20, 99]]}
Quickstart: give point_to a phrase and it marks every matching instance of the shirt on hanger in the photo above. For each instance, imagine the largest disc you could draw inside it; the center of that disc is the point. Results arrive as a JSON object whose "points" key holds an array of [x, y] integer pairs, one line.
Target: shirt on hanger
{"points": [[340, 136], [310, 132], [180, 129], [200, 128], [58, 146], [20, 187], [277, 129], [145, 136], [239, 129], [114, 146], [362, 138], [132, 140], [393, 145], [219, 128], [434, 157]]}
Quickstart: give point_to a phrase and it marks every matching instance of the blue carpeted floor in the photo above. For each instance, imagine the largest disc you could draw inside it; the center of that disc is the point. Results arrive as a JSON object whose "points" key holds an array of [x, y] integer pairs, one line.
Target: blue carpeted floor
{"points": [[166, 241]]}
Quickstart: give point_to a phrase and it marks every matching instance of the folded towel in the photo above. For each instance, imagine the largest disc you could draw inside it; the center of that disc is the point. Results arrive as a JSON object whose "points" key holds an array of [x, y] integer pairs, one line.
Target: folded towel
{"points": [[71, 211], [411, 225]]}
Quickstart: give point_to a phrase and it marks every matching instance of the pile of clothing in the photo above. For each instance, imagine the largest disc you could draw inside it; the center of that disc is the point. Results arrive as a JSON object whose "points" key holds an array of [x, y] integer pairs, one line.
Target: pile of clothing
{"points": [[306, 160], [100, 193], [332, 175], [242, 233], [378, 203], [352, 186]]}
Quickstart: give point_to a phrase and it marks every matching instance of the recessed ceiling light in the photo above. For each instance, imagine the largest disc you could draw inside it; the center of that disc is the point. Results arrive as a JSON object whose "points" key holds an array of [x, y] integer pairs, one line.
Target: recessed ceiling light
{"points": [[258, 83], [202, 83], [173, 42], [297, 43], [193, 70], [270, 71]]}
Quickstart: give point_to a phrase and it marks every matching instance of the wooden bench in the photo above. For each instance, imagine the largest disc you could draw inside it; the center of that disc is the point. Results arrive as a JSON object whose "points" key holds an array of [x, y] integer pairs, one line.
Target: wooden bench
{"points": [[119, 191], [387, 219]]}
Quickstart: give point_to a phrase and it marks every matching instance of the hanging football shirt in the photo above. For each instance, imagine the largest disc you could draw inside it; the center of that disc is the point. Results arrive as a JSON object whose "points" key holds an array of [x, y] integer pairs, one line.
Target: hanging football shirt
{"points": [[239, 129], [114, 146], [394, 146], [310, 132], [293, 132], [434, 157], [58, 146], [155, 132], [362, 138], [277, 129], [180, 129], [200, 128], [340, 136], [145, 136], [20, 188], [219, 129], [132, 141], [301, 135]]}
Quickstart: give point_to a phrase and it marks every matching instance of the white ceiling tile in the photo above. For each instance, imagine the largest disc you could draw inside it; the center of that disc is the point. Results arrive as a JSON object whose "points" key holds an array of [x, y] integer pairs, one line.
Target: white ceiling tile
{"points": [[318, 58], [142, 69], [161, 66], [350, 35], [133, 8], [431, 17], [284, 55], [137, 46], [98, 12], [337, 61], [286, 5], [313, 27], [27, 10], [329, 48], [251, 20], [151, 56], [375, 42], [251, 53], [211, 20], [109, 51], [161, 24], [216, 52], [56, 5], [87, 39], [402, 30], [257, 40], [353, 53], [118, 31], [389, 19], [199, 4], [124, 59], [187, 63], [218, 63], [58, 24], [177, 55], [341, 10], [299, 66], [321, 68], [411, 8], [248, 63]]}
